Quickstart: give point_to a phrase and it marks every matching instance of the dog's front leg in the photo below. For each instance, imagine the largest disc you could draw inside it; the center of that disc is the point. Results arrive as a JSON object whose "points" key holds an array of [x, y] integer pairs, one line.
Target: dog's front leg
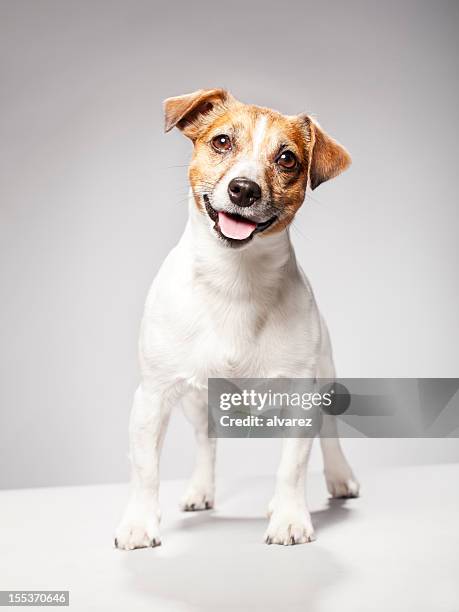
{"points": [[201, 488], [290, 522], [139, 526]]}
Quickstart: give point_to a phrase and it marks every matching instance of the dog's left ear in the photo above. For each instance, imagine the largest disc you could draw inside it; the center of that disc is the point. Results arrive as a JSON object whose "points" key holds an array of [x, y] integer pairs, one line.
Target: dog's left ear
{"points": [[328, 157], [188, 112]]}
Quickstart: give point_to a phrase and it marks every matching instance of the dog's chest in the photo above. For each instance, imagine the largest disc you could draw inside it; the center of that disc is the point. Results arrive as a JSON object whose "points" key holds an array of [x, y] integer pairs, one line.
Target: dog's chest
{"points": [[234, 342], [229, 318], [206, 336]]}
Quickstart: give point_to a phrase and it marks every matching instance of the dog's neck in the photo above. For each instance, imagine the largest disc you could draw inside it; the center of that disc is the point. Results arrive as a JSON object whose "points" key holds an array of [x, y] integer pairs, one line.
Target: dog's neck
{"points": [[256, 270]]}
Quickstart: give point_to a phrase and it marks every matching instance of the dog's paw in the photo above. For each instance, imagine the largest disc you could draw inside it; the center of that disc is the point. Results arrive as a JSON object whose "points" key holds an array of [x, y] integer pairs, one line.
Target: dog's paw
{"points": [[139, 529], [342, 485], [289, 526], [197, 498]]}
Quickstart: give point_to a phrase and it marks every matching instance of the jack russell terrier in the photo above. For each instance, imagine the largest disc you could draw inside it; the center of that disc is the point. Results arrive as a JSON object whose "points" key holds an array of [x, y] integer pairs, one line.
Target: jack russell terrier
{"points": [[231, 301]]}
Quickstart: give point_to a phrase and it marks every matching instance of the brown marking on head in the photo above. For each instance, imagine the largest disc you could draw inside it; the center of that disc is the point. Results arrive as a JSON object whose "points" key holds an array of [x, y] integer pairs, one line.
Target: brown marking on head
{"points": [[187, 112], [283, 154]]}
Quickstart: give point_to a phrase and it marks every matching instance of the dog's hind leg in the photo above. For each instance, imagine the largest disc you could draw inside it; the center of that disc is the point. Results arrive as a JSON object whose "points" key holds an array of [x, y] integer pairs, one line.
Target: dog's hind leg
{"points": [[200, 492], [139, 526], [341, 481]]}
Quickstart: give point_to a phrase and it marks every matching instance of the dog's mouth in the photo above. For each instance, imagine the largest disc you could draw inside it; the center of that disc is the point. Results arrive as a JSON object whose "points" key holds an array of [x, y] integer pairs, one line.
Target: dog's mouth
{"points": [[236, 229]]}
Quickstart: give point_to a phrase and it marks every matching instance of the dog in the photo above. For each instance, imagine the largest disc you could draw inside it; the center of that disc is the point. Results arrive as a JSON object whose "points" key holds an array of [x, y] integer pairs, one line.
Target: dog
{"points": [[231, 301]]}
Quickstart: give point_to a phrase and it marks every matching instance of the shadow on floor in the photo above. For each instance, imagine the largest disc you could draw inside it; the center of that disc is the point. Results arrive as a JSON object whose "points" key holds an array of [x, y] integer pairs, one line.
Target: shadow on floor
{"points": [[221, 563]]}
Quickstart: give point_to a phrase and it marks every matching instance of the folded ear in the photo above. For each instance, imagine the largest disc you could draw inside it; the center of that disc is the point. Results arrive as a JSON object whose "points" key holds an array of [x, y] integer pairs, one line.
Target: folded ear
{"points": [[328, 157], [187, 112]]}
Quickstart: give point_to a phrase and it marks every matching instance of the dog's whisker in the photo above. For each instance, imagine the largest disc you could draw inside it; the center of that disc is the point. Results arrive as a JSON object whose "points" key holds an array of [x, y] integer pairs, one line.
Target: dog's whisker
{"points": [[182, 201], [299, 232], [313, 199], [175, 166]]}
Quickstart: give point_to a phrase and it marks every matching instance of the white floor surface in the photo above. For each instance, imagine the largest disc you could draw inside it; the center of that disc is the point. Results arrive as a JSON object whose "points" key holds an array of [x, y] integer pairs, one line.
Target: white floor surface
{"points": [[394, 549]]}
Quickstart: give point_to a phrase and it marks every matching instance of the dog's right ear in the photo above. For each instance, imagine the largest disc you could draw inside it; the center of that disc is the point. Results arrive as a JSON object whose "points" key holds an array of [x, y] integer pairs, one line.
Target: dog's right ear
{"points": [[188, 112]]}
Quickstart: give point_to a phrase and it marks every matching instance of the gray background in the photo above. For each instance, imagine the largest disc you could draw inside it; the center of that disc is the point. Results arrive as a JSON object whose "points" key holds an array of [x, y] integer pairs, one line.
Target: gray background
{"points": [[93, 195]]}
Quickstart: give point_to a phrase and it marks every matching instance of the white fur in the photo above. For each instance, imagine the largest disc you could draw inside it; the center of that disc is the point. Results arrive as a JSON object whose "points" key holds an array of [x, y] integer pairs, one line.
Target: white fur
{"points": [[213, 311], [259, 136]]}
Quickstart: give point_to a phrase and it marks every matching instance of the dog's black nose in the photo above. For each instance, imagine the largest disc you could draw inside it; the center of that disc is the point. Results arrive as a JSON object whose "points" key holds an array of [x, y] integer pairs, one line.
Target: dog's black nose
{"points": [[243, 192]]}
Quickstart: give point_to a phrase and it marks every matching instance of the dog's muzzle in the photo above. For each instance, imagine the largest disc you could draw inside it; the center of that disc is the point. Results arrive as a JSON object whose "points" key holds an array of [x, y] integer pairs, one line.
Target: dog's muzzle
{"points": [[235, 229]]}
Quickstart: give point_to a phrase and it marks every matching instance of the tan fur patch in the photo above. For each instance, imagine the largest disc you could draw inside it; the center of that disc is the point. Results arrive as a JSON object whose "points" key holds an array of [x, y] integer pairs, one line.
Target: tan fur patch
{"points": [[329, 158]]}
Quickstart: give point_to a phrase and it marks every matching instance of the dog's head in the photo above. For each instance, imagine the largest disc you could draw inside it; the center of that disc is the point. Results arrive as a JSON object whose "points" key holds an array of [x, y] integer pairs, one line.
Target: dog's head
{"points": [[251, 165]]}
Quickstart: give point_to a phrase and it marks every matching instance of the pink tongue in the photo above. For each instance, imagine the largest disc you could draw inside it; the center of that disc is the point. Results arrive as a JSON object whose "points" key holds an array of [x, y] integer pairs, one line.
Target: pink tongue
{"points": [[235, 228]]}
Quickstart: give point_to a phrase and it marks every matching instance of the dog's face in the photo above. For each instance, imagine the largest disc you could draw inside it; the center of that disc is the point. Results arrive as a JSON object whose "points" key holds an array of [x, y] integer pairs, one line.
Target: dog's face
{"points": [[251, 166]]}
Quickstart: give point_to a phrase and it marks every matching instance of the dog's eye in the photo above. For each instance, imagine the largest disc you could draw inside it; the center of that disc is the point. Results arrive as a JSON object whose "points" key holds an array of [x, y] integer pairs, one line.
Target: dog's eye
{"points": [[222, 142], [287, 160]]}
